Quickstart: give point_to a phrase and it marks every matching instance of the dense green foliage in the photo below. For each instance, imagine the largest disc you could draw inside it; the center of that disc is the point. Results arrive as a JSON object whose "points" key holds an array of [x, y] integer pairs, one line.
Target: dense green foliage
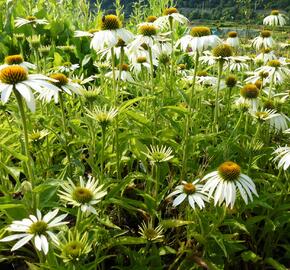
{"points": [[232, 10]]}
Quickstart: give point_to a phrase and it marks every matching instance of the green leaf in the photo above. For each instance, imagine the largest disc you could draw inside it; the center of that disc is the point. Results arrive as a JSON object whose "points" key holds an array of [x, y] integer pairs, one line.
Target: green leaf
{"points": [[13, 153], [130, 102], [166, 250], [137, 117], [127, 240], [9, 206], [250, 256], [220, 243], [176, 109], [57, 59], [236, 224], [173, 223], [32, 266], [86, 59], [275, 264]]}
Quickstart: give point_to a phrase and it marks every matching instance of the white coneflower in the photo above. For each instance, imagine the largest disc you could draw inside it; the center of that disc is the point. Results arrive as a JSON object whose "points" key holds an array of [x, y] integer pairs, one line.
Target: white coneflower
{"points": [[17, 59], [170, 16], [221, 53], [34, 41], [16, 78], [264, 115], [89, 33], [265, 56], [275, 19], [103, 116], [38, 135], [67, 67], [125, 74], [237, 63], [142, 52], [80, 79], [150, 233], [192, 191], [83, 195], [249, 96], [158, 154], [163, 47], [257, 76], [75, 247], [263, 41], [140, 64], [277, 71], [284, 96], [279, 123], [119, 48], [37, 228], [148, 35], [204, 79], [111, 31], [285, 45], [283, 155], [224, 183], [62, 84], [233, 39], [91, 95], [198, 39], [29, 20]]}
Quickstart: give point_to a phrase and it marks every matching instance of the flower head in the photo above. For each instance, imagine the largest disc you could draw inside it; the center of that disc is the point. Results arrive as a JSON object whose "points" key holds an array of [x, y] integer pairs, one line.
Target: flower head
{"points": [[16, 59], [192, 191], [111, 31], [147, 29], [103, 116], [158, 154], [16, 78], [222, 51], [275, 19], [151, 19], [83, 195], [74, 247], [250, 91], [37, 228], [32, 20], [231, 81], [150, 233], [265, 40], [170, 16], [198, 39], [224, 183], [62, 84], [233, 39]]}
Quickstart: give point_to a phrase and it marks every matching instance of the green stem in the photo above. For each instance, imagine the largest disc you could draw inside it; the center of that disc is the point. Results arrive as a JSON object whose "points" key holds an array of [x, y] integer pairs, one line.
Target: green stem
{"points": [[252, 146], [78, 220], [151, 70], [271, 85], [25, 133], [220, 69], [172, 57], [188, 118], [103, 150], [114, 76], [61, 103], [115, 90]]}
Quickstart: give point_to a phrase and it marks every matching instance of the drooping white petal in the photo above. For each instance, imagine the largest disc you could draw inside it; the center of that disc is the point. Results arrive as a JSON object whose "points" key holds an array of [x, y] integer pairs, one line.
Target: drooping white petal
{"points": [[13, 237], [179, 199], [44, 244], [22, 242]]}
